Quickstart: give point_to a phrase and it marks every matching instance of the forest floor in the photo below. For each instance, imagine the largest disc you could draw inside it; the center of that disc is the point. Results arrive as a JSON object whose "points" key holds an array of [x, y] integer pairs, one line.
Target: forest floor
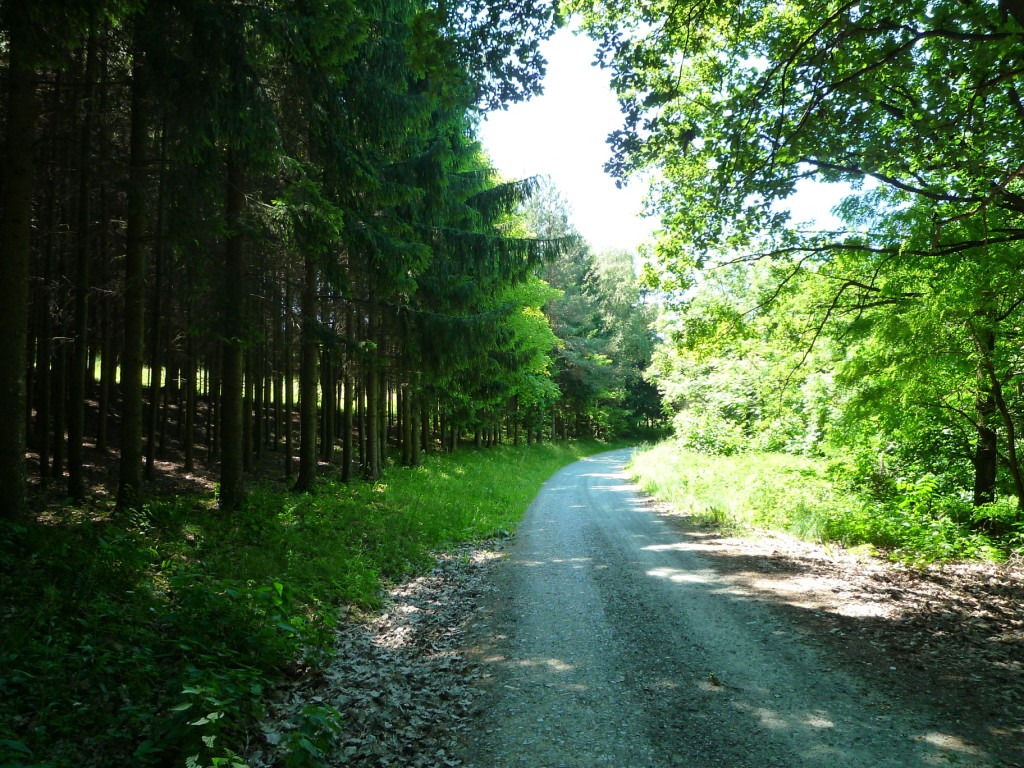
{"points": [[766, 650]]}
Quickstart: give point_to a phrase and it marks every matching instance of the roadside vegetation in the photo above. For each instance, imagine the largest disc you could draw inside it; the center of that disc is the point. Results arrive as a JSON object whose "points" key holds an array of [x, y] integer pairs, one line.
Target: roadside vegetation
{"points": [[154, 637], [825, 501], [882, 344]]}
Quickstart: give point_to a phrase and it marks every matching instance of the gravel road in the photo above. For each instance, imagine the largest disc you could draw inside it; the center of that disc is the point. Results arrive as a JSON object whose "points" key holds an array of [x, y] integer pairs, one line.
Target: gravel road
{"points": [[609, 641]]}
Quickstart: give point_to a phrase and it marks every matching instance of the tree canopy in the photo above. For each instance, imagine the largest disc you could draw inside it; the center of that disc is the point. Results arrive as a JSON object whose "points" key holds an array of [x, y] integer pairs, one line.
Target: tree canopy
{"points": [[893, 335]]}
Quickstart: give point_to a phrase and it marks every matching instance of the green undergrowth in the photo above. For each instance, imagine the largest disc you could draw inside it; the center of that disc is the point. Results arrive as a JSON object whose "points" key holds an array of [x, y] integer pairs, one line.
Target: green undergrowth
{"points": [[821, 501], [151, 638]]}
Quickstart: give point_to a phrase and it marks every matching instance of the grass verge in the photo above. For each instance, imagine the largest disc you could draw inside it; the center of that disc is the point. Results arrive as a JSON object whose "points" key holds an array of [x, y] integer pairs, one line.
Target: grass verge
{"points": [[151, 638], [818, 501]]}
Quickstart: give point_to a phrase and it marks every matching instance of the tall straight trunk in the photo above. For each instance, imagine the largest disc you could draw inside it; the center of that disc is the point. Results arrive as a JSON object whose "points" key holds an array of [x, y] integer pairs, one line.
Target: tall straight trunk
{"points": [[189, 438], [371, 467], [277, 360], [213, 408], [349, 401], [130, 480], [15, 246], [108, 346], [278, 425], [58, 398], [361, 417], [44, 376], [289, 389], [258, 402], [404, 435], [414, 424], [515, 423], [79, 359], [248, 399], [986, 453], [171, 388], [424, 424], [156, 362], [327, 406], [232, 492], [307, 378], [383, 406], [382, 425]]}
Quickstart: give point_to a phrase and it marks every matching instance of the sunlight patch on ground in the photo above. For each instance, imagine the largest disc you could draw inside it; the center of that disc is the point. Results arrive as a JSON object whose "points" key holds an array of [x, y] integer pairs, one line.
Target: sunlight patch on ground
{"points": [[817, 721], [812, 593], [948, 741], [555, 665], [680, 546], [674, 574], [616, 488], [769, 718]]}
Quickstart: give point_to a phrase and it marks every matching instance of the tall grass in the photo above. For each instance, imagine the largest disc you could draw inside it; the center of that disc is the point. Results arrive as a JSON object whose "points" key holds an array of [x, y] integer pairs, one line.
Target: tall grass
{"points": [[749, 491], [819, 501], [152, 639]]}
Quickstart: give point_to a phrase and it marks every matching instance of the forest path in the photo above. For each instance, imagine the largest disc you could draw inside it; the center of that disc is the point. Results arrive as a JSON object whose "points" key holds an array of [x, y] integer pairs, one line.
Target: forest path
{"points": [[612, 639]]}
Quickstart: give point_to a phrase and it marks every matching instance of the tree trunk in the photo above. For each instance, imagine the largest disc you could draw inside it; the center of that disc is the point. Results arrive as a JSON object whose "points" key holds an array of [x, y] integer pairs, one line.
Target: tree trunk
{"points": [[232, 492], [348, 421], [189, 438], [371, 467], [415, 409], [327, 406], [248, 396], [156, 350], [289, 389], [986, 453], [308, 379], [44, 376], [425, 436], [79, 360], [108, 345], [259, 397], [15, 245], [130, 481]]}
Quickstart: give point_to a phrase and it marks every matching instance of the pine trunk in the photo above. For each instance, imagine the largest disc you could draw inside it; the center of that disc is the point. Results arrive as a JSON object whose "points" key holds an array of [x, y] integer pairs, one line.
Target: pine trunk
{"points": [[307, 379], [327, 406], [79, 360], [371, 467], [15, 246], [232, 492], [349, 398], [130, 482], [190, 404], [289, 389], [248, 398]]}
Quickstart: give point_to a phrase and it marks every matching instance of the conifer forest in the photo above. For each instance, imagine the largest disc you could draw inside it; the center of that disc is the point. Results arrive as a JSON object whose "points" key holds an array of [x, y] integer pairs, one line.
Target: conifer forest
{"points": [[238, 228]]}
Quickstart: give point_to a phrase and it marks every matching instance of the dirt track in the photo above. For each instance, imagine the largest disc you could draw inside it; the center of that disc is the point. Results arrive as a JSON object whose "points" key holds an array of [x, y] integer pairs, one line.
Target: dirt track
{"points": [[612, 639]]}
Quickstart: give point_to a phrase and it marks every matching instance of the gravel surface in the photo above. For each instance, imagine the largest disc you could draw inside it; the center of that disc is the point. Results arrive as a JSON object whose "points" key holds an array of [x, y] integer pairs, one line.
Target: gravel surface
{"points": [[613, 640], [610, 631]]}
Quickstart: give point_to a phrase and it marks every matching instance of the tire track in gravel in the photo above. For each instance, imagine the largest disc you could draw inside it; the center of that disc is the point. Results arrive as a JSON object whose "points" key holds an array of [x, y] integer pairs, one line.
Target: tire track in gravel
{"points": [[609, 641]]}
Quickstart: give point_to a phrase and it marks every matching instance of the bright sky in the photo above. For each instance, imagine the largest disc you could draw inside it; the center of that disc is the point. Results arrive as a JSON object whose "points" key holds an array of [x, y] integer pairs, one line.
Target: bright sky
{"points": [[562, 134]]}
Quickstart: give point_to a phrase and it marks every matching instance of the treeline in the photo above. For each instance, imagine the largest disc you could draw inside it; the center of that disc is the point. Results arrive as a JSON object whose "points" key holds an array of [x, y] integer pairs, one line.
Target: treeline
{"points": [[890, 343], [206, 201]]}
